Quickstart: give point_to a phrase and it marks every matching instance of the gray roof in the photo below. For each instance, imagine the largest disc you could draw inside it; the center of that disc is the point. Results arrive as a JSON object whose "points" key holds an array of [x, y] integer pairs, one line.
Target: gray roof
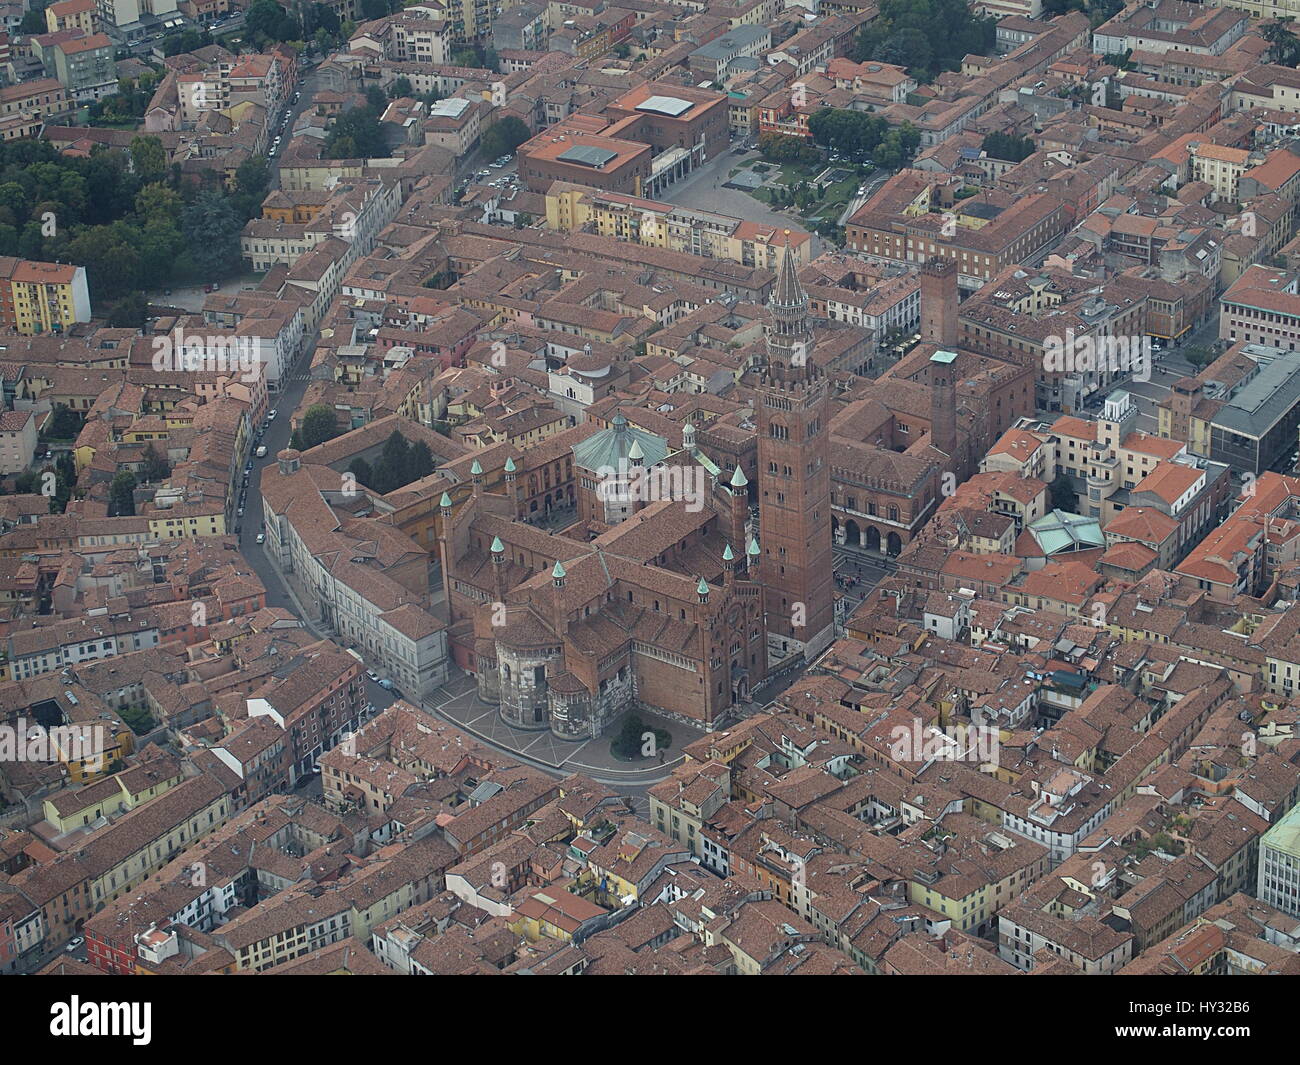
{"points": [[672, 106], [1264, 400], [587, 155], [729, 42]]}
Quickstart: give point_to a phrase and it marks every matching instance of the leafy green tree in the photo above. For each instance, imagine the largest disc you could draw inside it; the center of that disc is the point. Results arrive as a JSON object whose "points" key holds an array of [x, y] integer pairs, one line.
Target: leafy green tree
{"points": [[64, 424], [148, 157], [356, 134], [401, 87], [319, 423], [1283, 45], [128, 312], [360, 469], [1008, 146], [212, 231], [158, 199], [925, 36], [325, 18], [505, 136], [266, 21], [421, 460]]}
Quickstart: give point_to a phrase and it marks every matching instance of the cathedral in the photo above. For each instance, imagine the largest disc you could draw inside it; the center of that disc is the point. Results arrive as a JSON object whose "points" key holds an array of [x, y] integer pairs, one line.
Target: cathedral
{"points": [[671, 600]]}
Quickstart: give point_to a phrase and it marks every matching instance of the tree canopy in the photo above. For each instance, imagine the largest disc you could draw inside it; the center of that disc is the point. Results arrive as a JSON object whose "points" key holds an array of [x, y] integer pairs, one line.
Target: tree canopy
{"points": [[863, 136], [504, 136], [925, 36]]}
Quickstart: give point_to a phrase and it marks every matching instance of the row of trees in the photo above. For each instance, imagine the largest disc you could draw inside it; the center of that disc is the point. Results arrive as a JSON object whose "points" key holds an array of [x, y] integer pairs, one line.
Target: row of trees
{"points": [[925, 36], [862, 136], [398, 464], [1008, 146]]}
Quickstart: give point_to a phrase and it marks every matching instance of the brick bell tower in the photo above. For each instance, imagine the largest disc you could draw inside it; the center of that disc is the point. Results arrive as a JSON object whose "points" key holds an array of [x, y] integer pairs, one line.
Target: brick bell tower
{"points": [[794, 478]]}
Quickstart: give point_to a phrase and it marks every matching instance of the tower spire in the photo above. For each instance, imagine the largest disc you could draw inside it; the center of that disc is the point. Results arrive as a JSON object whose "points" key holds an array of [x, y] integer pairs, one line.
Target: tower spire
{"points": [[789, 340]]}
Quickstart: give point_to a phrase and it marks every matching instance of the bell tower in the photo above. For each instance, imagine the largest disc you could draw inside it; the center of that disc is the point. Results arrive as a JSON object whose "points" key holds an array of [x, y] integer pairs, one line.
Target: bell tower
{"points": [[794, 478]]}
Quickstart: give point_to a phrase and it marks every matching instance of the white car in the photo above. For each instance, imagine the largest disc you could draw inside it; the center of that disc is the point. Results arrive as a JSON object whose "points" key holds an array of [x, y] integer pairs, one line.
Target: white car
{"points": [[261, 538], [271, 417], [372, 675]]}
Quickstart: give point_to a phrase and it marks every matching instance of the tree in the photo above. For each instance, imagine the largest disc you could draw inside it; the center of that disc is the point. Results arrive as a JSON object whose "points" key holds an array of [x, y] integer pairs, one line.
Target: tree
{"points": [[421, 460], [319, 423], [925, 36], [148, 157], [401, 87], [396, 454], [855, 133], [153, 466], [212, 233], [1008, 146], [360, 469], [265, 20], [128, 312], [627, 744], [356, 134], [504, 136], [1062, 493], [1283, 45], [778, 148], [119, 492], [64, 424]]}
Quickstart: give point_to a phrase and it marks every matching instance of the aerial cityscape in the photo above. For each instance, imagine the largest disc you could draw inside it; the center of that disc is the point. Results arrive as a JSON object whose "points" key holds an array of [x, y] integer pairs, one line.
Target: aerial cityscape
{"points": [[649, 487]]}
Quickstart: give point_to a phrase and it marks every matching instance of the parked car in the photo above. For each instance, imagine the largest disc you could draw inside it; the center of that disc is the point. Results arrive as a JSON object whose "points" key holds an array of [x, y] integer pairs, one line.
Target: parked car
{"points": [[271, 417], [374, 677], [386, 684], [261, 538], [74, 943]]}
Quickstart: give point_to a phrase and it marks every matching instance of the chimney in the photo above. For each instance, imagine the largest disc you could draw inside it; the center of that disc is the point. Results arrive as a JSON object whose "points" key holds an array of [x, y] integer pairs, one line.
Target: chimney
{"points": [[939, 302]]}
